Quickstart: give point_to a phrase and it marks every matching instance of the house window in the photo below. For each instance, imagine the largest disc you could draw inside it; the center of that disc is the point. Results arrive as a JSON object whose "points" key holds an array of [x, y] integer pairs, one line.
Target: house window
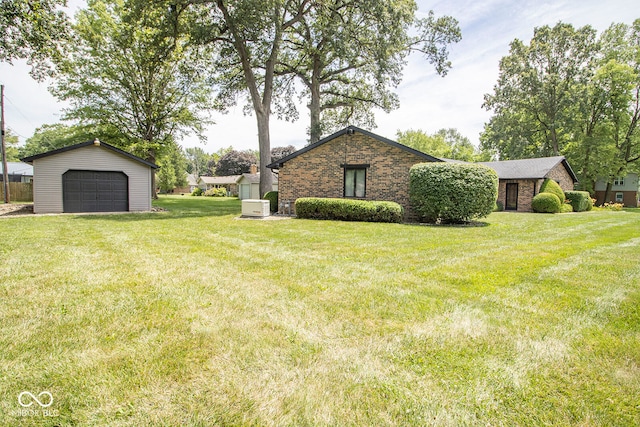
{"points": [[355, 181], [619, 197], [618, 181]]}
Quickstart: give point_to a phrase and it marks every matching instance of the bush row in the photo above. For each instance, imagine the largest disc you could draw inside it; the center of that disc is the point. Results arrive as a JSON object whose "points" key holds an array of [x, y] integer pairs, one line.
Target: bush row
{"points": [[348, 210], [452, 192], [216, 192]]}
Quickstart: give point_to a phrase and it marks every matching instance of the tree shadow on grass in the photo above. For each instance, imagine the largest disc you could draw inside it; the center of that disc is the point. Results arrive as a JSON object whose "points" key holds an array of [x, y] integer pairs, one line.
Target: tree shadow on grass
{"points": [[175, 208]]}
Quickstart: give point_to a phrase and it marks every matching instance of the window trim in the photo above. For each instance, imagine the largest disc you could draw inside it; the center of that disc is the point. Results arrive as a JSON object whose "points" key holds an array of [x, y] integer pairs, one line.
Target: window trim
{"points": [[619, 197], [618, 181], [354, 167]]}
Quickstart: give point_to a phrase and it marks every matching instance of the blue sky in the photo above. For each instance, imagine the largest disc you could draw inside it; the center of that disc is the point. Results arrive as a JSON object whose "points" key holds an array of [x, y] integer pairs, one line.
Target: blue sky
{"points": [[428, 101]]}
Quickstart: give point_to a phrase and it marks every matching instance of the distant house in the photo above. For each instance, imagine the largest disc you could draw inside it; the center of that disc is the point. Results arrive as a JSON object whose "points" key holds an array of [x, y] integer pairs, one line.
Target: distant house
{"points": [[90, 177], [352, 163], [17, 172], [520, 180], [249, 185], [228, 182], [625, 190], [192, 182]]}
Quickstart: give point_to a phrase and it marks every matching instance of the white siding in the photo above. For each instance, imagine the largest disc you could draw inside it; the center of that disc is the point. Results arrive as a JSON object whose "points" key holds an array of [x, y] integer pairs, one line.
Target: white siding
{"points": [[47, 181]]}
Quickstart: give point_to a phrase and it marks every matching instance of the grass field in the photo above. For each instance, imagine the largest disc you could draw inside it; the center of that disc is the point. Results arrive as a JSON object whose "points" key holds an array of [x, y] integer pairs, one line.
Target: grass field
{"points": [[192, 317]]}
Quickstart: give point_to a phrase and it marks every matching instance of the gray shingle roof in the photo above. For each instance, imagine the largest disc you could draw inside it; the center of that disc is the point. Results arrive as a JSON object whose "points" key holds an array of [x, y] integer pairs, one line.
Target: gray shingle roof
{"points": [[96, 143], [529, 168], [18, 168]]}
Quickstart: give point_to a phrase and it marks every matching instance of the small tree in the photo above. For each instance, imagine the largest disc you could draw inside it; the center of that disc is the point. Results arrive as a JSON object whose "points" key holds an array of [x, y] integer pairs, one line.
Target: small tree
{"points": [[452, 192]]}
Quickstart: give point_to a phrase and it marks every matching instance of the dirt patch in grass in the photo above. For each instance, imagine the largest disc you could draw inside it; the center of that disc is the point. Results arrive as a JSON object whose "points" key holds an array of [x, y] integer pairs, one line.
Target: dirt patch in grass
{"points": [[16, 209]]}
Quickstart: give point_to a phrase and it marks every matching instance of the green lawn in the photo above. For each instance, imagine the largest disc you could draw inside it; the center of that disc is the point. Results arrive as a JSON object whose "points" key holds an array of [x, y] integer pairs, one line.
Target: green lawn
{"points": [[192, 317]]}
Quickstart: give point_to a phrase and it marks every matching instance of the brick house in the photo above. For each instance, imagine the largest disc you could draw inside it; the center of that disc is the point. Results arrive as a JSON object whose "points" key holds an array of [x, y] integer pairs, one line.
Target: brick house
{"points": [[351, 163], [520, 180]]}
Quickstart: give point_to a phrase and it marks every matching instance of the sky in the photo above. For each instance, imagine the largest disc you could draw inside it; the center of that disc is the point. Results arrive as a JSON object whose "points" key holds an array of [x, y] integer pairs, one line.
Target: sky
{"points": [[427, 101]]}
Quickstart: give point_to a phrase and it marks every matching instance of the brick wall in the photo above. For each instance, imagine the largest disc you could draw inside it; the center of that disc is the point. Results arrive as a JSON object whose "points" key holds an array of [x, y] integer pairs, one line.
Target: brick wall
{"points": [[318, 172], [561, 176], [528, 188]]}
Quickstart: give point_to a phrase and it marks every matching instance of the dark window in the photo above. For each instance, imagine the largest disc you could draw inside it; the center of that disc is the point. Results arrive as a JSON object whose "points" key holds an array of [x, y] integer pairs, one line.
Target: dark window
{"points": [[355, 181]]}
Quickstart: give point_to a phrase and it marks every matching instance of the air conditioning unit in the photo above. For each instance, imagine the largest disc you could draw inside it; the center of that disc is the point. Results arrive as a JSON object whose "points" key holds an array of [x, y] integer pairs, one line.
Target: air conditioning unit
{"points": [[255, 208]]}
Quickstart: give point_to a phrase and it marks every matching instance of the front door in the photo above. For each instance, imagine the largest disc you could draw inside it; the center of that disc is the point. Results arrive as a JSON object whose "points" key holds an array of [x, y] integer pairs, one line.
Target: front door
{"points": [[512, 197]]}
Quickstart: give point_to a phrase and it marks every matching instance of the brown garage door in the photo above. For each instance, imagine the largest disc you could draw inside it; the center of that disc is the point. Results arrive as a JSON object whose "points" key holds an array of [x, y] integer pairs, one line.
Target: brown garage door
{"points": [[95, 191]]}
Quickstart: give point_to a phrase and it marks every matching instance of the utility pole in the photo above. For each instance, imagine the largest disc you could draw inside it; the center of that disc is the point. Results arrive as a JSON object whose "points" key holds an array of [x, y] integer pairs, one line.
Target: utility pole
{"points": [[5, 172]]}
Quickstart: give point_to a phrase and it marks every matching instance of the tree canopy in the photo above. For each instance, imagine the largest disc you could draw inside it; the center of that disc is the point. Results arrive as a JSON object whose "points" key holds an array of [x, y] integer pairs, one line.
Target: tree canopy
{"points": [[133, 75], [35, 30], [445, 143], [570, 92]]}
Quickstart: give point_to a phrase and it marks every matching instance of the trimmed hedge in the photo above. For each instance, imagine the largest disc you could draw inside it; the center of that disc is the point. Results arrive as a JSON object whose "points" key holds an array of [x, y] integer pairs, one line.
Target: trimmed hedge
{"points": [[452, 192], [550, 186], [272, 197], [348, 210], [197, 191], [546, 203], [580, 200]]}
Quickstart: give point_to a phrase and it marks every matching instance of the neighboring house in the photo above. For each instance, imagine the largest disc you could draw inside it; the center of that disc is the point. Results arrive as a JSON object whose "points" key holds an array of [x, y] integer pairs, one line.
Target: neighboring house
{"points": [[624, 190], [17, 172], [351, 163], [192, 182], [228, 182], [90, 177], [520, 180], [249, 185]]}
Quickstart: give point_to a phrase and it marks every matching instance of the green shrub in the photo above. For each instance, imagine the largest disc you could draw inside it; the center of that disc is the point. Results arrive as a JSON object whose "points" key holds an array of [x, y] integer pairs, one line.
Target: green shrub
{"points": [[272, 197], [348, 210], [550, 186], [452, 192], [216, 192], [546, 203], [197, 192], [580, 200], [566, 208], [499, 206]]}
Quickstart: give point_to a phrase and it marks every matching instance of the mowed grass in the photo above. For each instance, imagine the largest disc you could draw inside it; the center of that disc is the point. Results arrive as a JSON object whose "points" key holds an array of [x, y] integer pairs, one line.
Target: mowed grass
{"points": [[192, 317]]}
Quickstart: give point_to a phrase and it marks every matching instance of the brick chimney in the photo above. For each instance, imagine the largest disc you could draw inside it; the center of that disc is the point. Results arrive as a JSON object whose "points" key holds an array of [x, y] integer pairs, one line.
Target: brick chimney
{"points": [[253, 169]]}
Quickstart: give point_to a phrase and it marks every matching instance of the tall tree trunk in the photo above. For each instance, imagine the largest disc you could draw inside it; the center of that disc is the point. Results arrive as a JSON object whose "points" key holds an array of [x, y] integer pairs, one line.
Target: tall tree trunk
{"points": [[607, 193], [315, 130], [264, 145]]}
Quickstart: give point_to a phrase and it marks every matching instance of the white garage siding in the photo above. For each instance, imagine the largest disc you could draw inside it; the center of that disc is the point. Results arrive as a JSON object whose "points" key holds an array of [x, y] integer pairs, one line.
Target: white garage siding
{"points": [[48, 171]]}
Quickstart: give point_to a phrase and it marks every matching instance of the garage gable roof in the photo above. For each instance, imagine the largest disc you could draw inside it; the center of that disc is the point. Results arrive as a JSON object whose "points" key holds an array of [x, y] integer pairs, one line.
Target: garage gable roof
{"points": [[348, 131], [96, 143]]}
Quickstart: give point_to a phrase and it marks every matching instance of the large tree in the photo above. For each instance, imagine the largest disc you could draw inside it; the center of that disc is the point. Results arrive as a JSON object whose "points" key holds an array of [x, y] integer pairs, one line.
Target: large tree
{"points": [[35, 30], [235, 163], [134, 75], [249, 36], [568, 93], [349, 55], [539, 89]]}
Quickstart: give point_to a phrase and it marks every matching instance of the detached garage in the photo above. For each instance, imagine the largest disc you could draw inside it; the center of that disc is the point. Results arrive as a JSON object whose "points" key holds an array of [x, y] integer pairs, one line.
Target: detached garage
{"points": [[90, 177]]}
